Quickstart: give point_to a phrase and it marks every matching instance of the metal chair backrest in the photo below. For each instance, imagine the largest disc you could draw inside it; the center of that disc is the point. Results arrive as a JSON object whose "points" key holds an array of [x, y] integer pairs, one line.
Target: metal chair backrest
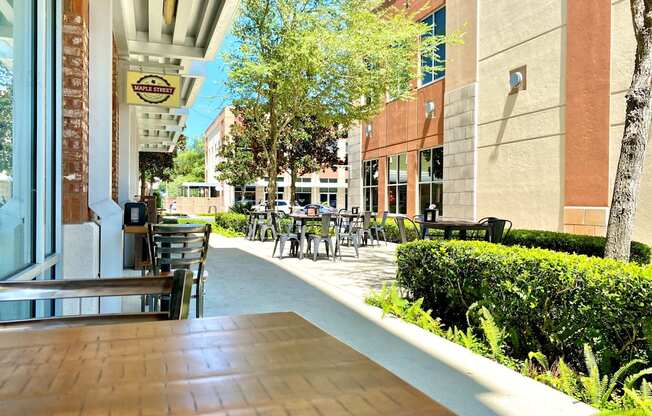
{"points": [[497, 233], [402, 229], [178, 247], [366, 224], [400, 222], [384, 220], [325, 225]]}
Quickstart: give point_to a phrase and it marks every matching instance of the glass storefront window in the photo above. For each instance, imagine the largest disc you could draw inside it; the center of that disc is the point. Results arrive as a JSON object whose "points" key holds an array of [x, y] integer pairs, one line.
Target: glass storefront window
{"points": [[397, 177], [17, 138], [431, 177], [328, 196], [303, 196], [370, 185]]}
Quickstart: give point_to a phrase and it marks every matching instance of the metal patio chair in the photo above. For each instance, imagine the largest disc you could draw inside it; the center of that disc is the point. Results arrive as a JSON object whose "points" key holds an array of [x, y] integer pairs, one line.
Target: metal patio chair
{"points": [[184, 246]]}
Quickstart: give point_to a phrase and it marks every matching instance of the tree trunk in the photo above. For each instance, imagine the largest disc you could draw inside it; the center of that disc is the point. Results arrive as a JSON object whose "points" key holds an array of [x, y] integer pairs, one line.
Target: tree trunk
{"points": [[272, 169], [635, 138], [293, 186], [143, 185]]}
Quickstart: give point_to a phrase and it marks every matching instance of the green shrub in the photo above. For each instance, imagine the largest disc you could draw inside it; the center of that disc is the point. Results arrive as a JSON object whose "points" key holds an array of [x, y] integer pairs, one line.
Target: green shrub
{"points": [[241, 207], [232, 221], [571, 243], [215, 228], [551, 302]]}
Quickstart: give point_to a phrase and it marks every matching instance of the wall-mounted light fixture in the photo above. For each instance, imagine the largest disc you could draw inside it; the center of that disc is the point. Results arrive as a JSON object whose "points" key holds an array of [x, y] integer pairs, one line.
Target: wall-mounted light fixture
{"points": [[430, 109], [515, 79], [368, 131], [518, 80]]}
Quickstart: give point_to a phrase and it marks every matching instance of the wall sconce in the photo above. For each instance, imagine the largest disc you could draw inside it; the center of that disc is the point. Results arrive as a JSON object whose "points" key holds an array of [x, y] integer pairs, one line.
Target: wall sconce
{"points": [[430, 109], [368, 130], [518, 80]]}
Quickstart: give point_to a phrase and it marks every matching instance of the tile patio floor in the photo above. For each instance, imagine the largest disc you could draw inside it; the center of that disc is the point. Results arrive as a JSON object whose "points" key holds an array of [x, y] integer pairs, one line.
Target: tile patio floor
{"points": [[244, 278]]}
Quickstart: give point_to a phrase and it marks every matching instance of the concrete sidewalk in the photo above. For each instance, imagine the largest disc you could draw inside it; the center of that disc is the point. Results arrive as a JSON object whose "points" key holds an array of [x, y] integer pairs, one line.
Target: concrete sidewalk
{"points": [[245, 279]]}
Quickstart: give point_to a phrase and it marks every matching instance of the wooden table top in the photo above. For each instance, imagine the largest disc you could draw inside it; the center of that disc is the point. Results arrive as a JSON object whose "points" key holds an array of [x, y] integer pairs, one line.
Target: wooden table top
{"points": [[453, 224], [268, 364]]}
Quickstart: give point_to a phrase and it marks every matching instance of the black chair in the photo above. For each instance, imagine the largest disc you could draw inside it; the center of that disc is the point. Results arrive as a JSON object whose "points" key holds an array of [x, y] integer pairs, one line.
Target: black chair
{"points": [[402, 229], [497, 232], [182, 246]]}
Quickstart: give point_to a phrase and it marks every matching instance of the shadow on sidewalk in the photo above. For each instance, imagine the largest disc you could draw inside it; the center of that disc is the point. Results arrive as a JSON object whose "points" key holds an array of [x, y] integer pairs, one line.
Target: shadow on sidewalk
{"points": [[242, 283]]}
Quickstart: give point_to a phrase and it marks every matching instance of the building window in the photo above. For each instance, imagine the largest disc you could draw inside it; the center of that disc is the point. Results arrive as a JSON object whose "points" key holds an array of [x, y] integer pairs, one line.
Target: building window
{"points": [[29, 171], [397, 184], [328, 196], [370, 185], [280, 191], [17, 139], [437, 23], [245, 194], [303, 196], [431, 179]]}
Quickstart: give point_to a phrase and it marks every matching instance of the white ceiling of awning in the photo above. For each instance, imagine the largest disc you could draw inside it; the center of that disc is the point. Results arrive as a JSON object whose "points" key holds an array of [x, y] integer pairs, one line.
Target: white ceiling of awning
{"points": [[182, 47]]}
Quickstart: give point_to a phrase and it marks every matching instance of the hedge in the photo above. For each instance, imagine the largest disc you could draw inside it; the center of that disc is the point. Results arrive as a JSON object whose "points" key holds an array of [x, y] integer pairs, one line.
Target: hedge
{"points": [[232, 221], [571, 243], [215, 228], [549, 301]]}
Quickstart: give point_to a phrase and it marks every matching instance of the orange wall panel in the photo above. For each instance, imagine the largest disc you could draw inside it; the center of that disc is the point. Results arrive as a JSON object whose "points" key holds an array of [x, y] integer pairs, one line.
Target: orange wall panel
{"points": [[587, 103]]}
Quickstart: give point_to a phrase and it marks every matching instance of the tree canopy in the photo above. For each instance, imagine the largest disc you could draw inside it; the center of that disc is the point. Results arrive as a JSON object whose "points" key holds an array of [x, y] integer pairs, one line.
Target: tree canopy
{"points": [[330, 60]]}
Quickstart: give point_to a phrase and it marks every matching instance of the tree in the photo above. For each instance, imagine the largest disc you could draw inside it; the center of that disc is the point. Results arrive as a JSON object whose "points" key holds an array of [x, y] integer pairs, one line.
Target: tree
{"points": [[157, 165], [154, 165], [188, 166], [309, 146], [635, 138], [299, 58]]}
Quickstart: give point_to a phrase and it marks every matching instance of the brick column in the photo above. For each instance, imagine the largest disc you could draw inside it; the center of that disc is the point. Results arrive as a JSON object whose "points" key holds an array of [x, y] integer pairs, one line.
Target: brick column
{"points": [[586, 174], [75, 116], [115, 149]]}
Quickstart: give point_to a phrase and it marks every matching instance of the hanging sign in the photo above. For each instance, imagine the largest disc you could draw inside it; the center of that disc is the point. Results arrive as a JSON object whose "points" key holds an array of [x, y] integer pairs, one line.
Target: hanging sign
{"points": [[153, 89]]}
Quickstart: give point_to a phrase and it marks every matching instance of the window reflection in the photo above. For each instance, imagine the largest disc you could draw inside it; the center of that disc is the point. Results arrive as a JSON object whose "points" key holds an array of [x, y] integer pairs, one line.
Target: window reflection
{"points": [[16, 137]]}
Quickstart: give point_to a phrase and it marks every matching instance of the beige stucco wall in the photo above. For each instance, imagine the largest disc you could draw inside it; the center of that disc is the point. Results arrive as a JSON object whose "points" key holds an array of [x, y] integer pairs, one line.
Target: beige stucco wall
{"points": [[521, 136], [622, 64]]}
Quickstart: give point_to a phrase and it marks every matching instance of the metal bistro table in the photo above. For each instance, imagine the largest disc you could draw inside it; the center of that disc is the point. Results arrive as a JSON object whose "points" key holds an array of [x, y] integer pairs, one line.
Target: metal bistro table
{"points": [[449, 226], [276, 363]]}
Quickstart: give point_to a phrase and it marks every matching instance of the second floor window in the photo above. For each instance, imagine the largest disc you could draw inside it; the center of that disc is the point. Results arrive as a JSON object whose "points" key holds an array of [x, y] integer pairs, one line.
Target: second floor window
{"points": [[437, 23]]}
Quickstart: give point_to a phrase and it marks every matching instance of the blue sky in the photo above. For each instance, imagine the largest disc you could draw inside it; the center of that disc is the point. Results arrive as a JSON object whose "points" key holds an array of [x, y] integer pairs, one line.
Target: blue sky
{"points": [[213, 96]]}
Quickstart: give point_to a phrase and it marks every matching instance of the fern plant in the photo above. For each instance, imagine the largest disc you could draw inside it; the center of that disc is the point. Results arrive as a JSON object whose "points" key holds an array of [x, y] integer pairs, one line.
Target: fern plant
{"points": [[598, 390]]}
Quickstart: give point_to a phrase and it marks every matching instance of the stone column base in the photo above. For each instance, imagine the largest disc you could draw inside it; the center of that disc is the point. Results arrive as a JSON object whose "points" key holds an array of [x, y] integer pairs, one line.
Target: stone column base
{"points": [[586, 220]]}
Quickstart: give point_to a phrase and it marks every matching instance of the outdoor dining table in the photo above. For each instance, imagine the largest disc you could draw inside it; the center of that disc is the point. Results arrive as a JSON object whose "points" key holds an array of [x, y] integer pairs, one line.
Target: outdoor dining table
{"points": [[275, 363], [300, 221], [449, 226]]}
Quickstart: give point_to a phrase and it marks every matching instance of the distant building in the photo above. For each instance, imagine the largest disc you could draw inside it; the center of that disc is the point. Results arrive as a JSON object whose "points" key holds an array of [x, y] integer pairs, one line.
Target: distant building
{"points": [[324, 187], [525, 122]]}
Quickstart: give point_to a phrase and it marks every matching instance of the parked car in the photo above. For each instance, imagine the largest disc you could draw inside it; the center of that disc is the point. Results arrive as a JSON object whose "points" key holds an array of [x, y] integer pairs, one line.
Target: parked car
{"points": [[281, 205]]}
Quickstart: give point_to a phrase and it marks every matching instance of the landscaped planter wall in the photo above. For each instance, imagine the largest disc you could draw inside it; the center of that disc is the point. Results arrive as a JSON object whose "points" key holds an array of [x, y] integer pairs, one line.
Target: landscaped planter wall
{"points": [[548, 301]]}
